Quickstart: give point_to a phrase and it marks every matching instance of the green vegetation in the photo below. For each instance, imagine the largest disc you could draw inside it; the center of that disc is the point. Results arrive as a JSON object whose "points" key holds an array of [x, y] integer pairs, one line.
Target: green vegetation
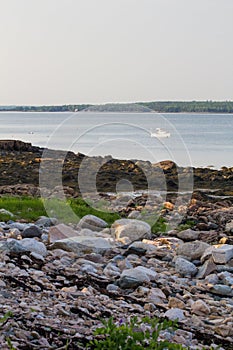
{"points": [[188, 224], [30, 209], [135, 335], [158, 106], [190, 106]]}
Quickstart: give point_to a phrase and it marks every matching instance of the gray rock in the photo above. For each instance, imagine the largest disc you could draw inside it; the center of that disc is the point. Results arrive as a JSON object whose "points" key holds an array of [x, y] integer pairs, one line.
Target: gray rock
{"points": [[92, 223], [144, 246], [13, 246], [185, 267], [229, 226], [141, 273], [175, 314], [226, 277], [128, 282], [18, 225], [112, 288], [192, 250], [45, 221], [6, 212], [222, 253], [206, 269], [221, 289], [134, 214], [83, 245], [188, 235], [32, 245], [131, 228], [31, 232], [37, 256]]}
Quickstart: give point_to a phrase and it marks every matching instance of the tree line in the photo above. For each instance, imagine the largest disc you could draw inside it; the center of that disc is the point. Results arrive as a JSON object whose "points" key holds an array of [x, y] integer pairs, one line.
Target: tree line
{"points": [[157, 106]]}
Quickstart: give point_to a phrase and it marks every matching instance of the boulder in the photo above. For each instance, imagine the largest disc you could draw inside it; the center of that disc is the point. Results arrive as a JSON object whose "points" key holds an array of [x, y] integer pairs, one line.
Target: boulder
{"points": [[83, 245], [32, 245], [185, 267], [175, 314], [229, 226], [61, 231], [206, 269], [31, 232], [136, 276], [133, 229], [92, 222], [45, 221], [222, 253], [188, 235], [192, 250], [200, 308]]}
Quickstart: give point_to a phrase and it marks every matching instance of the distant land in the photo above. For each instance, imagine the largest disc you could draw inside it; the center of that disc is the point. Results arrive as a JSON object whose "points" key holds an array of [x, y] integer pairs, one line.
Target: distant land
{"points": [[157, 106]]}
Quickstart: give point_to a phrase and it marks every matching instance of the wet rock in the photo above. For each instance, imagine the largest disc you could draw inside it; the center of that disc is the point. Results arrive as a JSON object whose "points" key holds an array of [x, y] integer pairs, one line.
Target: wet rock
{"points": [[192, 250], [185, 267], [92, 222], [31, 232], [132, 229]]}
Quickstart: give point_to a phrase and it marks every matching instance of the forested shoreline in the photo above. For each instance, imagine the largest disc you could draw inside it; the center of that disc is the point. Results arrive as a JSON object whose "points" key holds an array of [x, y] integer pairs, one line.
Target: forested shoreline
{"points": [[157, 106]]}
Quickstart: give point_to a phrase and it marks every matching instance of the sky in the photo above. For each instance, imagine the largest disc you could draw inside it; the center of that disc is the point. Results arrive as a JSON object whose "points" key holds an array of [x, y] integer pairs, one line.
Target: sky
{"points": [[98, 51]]}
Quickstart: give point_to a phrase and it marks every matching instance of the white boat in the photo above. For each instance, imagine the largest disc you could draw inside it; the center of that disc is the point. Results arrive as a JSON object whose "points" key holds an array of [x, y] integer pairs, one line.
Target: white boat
{"points": [[160, 133]]}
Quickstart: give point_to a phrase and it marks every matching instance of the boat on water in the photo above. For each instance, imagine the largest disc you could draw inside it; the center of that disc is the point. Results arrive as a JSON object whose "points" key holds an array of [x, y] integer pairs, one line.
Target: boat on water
{"points": [[159, 133]]}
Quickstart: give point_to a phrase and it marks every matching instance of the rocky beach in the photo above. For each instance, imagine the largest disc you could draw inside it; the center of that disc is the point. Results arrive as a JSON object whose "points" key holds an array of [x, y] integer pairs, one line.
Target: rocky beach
{"points": [[57, 281]]}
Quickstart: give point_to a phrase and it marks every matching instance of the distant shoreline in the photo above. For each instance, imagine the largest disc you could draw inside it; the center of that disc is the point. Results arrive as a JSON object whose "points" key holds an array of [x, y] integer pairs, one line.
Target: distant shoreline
{"points": [[197, 107]]}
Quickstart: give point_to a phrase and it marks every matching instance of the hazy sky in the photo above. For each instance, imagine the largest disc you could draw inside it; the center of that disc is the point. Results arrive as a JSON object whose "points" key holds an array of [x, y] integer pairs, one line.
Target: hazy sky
{"points": [[95, 51]]}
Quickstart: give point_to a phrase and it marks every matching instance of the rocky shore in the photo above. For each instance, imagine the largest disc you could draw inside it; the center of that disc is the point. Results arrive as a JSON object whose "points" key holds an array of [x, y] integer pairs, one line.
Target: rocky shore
{"points": [[57, 281], [21, 163]]}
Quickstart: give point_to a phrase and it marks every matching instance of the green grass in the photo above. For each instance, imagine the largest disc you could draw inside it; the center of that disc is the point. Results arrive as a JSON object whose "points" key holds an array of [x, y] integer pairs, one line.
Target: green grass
{"points": [[69, 211]]}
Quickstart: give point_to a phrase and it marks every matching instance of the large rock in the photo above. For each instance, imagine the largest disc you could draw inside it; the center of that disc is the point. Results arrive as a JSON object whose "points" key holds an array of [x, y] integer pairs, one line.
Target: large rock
{"points": [[83, 245], [206, 269], [192, 250], [61, 231], [45, 221], [229, 226], [92, 222], [222, 253], [175, 314], [32, 245], [185, 267], [188, 235], [141, 273], [200, 308], [31, 232], [131, 229]]}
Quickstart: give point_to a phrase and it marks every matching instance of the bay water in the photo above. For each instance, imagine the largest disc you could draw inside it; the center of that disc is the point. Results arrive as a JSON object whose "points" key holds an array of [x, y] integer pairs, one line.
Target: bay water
{"points": [[198, 140]]}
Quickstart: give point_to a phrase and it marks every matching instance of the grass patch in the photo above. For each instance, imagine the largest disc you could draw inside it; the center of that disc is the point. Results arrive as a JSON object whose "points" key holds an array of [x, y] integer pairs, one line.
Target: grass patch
{"points": [[69, 211]]}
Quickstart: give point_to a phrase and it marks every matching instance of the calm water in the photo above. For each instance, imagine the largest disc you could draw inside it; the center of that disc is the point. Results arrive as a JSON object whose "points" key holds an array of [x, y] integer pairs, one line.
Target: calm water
{"points": [[195, 139]]}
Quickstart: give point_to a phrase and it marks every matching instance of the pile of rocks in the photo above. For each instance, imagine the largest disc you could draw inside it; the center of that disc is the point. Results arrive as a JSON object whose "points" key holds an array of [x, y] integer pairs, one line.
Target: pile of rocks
{"points": [[59, 280]]}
